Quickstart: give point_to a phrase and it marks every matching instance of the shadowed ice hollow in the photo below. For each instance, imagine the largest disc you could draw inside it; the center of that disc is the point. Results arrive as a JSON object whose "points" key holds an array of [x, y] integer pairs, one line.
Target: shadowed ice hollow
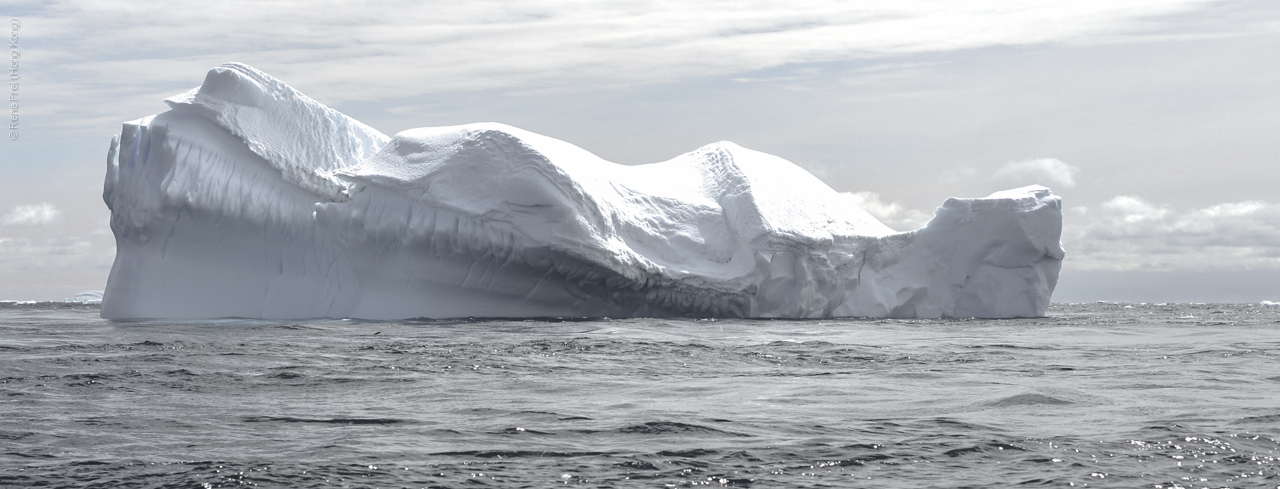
{"points": [[250, 199]]}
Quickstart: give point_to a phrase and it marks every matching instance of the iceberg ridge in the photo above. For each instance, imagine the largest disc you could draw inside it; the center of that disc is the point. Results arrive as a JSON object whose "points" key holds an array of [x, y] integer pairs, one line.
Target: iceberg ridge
{"points": [[249, 199]]}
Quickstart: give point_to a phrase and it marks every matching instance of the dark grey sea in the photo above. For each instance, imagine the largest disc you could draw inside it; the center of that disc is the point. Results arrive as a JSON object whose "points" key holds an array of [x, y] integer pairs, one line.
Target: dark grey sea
{"points": [[1098, 395]]}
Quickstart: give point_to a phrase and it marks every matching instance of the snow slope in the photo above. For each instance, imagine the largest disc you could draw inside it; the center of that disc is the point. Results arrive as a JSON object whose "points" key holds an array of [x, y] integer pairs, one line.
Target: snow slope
{"points": [[249, 199]]}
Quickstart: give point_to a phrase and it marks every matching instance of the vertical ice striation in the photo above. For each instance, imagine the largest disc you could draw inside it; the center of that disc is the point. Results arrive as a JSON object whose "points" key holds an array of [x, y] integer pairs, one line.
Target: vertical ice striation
{"points": [[248, 199]]}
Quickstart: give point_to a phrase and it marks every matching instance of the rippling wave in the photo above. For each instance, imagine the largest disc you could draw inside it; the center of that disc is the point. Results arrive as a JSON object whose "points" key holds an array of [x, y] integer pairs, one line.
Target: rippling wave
{"points": [[1100, 394]]}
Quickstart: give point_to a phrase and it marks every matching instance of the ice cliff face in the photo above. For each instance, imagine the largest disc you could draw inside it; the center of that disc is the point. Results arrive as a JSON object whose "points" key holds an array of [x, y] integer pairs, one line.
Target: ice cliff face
{"points": [[249, 199]]}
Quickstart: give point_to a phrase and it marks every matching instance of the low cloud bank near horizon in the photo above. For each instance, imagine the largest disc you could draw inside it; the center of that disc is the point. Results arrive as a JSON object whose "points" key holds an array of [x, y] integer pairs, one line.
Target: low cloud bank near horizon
{"points": [[53, 267], [52, 251], [1129, 233]]}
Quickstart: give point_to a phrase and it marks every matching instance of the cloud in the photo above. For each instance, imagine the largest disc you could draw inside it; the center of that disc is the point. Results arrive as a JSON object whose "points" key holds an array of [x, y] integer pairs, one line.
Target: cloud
{"points": [[1042, 171], [113, 51], [892, 214], [30, 215], [54, 254], [51, 268], [1130, 233]]}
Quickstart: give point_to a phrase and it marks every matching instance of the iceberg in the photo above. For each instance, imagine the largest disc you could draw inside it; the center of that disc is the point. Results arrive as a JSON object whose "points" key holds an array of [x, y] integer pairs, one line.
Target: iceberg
{"points": [[88, 297], [249, 199]]}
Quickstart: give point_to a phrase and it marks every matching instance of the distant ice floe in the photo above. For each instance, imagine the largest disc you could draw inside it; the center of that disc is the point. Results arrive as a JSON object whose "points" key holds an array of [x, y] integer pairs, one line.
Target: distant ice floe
{"points": [[88, 297], [249, 199]]}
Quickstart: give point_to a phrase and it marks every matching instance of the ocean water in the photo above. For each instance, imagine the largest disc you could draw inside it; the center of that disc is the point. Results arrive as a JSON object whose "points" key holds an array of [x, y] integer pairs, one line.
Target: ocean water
{"points": [[1097, 395]]}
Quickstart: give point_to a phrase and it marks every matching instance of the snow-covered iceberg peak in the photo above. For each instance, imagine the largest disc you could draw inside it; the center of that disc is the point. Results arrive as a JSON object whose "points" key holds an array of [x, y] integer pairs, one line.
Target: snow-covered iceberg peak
{"points": [[249, 199], [701, 214], [302, 138]]}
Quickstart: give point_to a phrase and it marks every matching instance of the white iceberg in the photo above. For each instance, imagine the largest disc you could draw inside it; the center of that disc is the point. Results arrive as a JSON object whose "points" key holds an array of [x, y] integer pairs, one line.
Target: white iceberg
{"points": [[88, 297], [249, 199]]}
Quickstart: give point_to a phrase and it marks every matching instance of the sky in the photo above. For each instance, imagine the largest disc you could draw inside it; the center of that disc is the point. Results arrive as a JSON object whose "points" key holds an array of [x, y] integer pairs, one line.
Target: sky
{"points": [[1155, 121]]}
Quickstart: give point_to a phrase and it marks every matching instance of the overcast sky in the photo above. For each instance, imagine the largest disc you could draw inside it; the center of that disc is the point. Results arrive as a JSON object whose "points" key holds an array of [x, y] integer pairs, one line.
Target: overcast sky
{"points": [[1156, 121]]}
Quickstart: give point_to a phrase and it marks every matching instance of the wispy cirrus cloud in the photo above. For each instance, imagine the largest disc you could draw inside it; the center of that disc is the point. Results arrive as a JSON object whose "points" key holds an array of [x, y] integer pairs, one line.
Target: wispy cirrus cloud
{"points": [[82, 50]]}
